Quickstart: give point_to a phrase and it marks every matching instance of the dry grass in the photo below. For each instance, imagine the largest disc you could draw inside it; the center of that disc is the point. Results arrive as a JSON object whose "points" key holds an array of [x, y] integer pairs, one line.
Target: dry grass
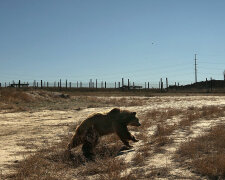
{"points": [[206, 112], [156, 116], [112, 101], [206, 153], [13, 99], [161, 136], [54, 163], [159, 119], [14, 96], [139, 159]]}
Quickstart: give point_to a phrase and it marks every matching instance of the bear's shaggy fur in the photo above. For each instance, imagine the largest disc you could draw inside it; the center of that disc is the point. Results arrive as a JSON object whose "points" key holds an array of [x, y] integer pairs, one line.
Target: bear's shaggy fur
{"points": [[115, 121]]}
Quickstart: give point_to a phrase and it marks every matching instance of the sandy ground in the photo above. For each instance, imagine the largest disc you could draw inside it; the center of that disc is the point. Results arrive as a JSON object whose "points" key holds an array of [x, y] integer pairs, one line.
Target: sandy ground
{"points": [[23, 132]]}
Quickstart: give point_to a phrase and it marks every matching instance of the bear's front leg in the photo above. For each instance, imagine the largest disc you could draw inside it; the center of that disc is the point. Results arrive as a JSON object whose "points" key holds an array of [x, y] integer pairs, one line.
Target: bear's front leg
{"points": [[124, 135], [125, 142], [134, 139]]}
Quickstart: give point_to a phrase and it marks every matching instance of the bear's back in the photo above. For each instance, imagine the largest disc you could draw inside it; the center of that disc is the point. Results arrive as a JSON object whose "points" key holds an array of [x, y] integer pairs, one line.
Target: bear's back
{"points": [[102, 123]]}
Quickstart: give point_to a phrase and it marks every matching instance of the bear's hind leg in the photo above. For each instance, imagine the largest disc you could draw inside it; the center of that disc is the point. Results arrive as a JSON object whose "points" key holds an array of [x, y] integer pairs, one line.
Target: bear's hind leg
{"points": [[88, 151], [90, 142]]}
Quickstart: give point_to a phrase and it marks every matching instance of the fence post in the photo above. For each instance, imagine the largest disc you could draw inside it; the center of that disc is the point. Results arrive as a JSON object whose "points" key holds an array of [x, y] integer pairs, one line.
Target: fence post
{"points": [[122, 82], [60, 84], [211, 85], [119, 84], [70, 85], [145, 85], [105, 84], [167, 84], [96, 83], [66, 83], [19, 84], [41, 84], [37, 84], [161, 84], [115, 85], [148, 85], [128, 84], [0, 84], [47, 84], [77, 84]]}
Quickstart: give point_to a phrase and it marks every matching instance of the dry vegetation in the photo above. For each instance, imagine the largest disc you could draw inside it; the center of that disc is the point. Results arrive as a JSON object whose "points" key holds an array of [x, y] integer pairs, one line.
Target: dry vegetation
{"points": [[11, 99], [204, 154], [53, 163], [15, 100], [206, 112]]}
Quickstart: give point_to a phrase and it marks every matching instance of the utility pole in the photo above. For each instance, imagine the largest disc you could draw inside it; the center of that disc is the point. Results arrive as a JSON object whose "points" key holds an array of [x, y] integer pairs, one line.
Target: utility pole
{"points": [[195, 69]]}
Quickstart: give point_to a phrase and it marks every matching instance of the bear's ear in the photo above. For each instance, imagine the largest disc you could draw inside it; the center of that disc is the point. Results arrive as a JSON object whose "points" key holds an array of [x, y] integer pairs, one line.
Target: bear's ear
{"points": [[114, 111], [134, 113]]}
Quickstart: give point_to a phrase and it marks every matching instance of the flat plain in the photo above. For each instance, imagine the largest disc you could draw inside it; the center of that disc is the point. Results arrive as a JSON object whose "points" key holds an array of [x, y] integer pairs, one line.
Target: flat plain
{"points": [[35, 127]]}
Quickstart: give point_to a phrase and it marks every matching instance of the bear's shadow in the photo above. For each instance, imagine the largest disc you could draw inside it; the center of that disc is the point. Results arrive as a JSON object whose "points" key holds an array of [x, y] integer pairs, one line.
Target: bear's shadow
{"points": [[124, 150]]}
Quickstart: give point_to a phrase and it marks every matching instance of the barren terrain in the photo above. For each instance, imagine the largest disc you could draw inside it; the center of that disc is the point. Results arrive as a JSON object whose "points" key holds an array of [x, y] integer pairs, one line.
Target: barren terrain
{"points": [[22, 133]]}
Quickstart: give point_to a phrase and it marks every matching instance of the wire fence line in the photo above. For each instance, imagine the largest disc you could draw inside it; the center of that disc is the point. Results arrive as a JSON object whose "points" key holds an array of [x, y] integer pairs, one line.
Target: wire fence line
{"points": [[162, 86], [123, 83]]}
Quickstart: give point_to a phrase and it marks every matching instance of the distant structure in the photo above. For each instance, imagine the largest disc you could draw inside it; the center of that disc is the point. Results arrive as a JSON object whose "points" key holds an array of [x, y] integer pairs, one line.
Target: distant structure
{"points": [[19, 85]]}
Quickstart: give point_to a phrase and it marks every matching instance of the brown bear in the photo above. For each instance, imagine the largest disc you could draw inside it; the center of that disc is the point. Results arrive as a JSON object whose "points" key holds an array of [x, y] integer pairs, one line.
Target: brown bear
{"points": [[115, 121]]}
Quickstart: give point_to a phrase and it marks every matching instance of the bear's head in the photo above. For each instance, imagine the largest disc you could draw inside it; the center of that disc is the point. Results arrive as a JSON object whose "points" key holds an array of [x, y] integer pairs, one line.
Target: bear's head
{"points": [[133, 120], [127, 117]]}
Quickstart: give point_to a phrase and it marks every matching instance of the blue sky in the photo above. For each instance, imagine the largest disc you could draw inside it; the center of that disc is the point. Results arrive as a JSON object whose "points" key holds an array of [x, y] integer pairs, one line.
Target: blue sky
{"points": [[142, 40]]}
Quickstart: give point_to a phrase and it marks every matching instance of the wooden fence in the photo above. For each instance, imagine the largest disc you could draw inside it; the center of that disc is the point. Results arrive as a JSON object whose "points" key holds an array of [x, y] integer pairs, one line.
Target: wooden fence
{"points": [[163, 86], [91, 84]]}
